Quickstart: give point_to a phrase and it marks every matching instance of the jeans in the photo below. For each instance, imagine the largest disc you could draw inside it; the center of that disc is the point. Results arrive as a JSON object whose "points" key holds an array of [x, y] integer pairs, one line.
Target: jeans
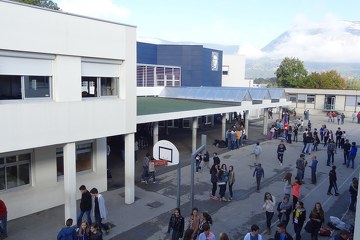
{"points": [[3, 226], [145, 173], [98, 221], [351, 158], [281, 157], [297, 230], [258, 180], [222, 190], [269, 216], [330, 156], [80, 216], [346, 157], [230, 189], [313, 176], [214, 187], [333, 185]]}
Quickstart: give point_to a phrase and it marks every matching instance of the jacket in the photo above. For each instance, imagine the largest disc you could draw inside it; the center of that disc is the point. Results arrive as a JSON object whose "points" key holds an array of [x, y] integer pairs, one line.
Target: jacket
{"points": [[86, 201], [66, 233], [299, 216], [281, 148], [300, 164], [287, 236], [176, 224], [102, 207], [247, 236], [332, 176]]}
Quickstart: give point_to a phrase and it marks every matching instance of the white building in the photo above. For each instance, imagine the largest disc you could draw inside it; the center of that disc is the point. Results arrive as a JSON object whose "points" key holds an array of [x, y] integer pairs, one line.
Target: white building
{"points": [[66, 83], [233, 71]]}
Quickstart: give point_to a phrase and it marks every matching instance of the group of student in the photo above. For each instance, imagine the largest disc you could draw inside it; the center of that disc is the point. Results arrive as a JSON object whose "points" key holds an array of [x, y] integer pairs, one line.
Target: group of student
{"points": [[91, 201]]}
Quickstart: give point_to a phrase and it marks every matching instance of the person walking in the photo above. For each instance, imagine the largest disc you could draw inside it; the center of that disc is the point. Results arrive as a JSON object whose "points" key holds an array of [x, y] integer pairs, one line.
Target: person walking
{"points": [[198, 160], [193, 222], [317, 219], [258, 173], [353, 189], [284, 209], [145, 165], [67, 232], [231, 181], [299, 216], [176, 225], [331, 150], [313, 167], [100, 211], [352, 155], [254, 234], [280, 152], [332, 182], [287, 184], [296, 191], [85, 206], [281, 233], [3, 219], [204, 219], [152, 171], [257, 153], [268, 207]]}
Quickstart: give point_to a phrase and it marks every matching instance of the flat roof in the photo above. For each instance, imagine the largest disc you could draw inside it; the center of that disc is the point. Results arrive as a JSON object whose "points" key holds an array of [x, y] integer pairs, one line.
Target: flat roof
{"points": [[156, 105]]}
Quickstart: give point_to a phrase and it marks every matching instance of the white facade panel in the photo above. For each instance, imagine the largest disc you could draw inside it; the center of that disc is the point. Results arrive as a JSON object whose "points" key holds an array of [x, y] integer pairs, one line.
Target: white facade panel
{"points": [[235, 66], [25, 66], [90, 69]]}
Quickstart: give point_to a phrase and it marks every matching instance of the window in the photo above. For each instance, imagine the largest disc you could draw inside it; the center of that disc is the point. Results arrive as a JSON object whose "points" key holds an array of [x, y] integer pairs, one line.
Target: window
{"points": [[301, 98], [292, 97], [24, 87], [83, 158], [225, 70], [350, 100], [99, 86], [310, 99], [152, 75], [14, 170]]}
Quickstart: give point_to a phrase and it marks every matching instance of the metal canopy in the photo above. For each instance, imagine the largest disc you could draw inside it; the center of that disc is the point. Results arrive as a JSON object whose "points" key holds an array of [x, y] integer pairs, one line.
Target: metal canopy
{"points": [[259, 93], [220, 94], [277, 93]]}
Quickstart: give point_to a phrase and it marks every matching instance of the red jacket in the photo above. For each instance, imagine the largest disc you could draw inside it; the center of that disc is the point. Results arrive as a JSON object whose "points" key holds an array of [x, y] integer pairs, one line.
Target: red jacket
{"points": [[3, 209]]}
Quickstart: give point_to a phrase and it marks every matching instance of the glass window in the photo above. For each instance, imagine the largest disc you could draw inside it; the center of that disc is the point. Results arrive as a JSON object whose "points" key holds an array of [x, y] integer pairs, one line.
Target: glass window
{"points": [[89, 86], [177, 73], [37, 86], [108, 86], [14, 171], [84, 153], [225, 70], [310, 99], [301, 98], [99, 86], [292, 97], [10, 87], [160, 73]]}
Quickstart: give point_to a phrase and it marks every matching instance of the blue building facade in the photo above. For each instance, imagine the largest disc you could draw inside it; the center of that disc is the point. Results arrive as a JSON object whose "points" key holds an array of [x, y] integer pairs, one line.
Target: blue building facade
{"points": [[199, 66]]}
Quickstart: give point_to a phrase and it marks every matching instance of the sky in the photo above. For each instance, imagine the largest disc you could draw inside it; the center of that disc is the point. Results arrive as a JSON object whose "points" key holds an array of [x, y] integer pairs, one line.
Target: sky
{"points": [[251, 24]]}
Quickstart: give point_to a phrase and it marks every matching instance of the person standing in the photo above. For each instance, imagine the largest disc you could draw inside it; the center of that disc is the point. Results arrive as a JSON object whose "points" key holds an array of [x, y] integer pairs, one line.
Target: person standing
{"points": [[332, 182], [204, 219], [231, 181], [296, 191], [353, 116], [198, 160], [67, 232], [352, 155], [338, 135], [222, 182], [331, 150], [268, 207], [216, 159], [100, 210], [85, 206], [299, 216], [145, 165], [194, 221], [284, 210], [94, 233], [287, 184], [206, 160], [346, 147], [214, 179], [257, 152], [313, 167], [3, 219], [152, 170], [280, 152], [300, 166], [254, 234], [207, 234], [317, 219], [353, 189], [258, 173], [176, 224], [281, 233]]}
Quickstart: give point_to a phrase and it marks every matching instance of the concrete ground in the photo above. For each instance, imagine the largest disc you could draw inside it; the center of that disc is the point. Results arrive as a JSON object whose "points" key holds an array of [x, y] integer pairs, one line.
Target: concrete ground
{"points": [[148, 217]]}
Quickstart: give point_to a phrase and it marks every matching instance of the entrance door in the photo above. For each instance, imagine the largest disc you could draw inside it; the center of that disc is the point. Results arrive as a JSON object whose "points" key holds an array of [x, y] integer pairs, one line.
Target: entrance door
{"points": [[329, 102]]}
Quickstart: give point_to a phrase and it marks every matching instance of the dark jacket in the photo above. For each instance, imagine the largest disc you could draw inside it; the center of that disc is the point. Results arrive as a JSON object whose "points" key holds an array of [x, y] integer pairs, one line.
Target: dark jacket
{"points": [[86, 201], [332, 176], [301, 219], [281, 148], [287, 237], [176, 224], [66, 233]]}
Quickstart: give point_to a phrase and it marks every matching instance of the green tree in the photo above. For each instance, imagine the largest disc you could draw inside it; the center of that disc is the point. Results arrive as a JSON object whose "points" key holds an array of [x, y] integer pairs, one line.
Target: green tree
{"points": [[41, 3], [353, 84], [290, 73], [325, 80]]}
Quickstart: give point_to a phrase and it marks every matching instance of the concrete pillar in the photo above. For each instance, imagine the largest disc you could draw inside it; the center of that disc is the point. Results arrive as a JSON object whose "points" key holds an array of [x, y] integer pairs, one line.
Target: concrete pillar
{"points": [[156, 132], [223, 126], [280, 112], [194, 133], [129, 168], [246, 117], [265, 127], [70, 180]]}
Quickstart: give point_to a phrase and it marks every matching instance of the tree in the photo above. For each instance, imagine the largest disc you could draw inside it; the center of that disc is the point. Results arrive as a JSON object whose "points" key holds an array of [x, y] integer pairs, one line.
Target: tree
{"points": [[325, 80], [290, 73], [353, 84], [41, 3]]}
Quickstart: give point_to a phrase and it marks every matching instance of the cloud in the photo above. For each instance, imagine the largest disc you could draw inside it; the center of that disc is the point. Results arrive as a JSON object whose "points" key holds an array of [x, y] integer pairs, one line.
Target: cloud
{"points": [[250, 51], [103, 9]]}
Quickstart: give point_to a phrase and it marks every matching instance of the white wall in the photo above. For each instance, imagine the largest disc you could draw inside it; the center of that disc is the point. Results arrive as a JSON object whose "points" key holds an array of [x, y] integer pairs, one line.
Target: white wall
{"points": [[236, 75]]}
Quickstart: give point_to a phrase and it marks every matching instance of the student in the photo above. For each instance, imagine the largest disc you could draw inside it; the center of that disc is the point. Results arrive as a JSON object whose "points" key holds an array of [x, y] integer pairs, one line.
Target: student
{"points": [[67, 232], [353, 189], [268, 207], [280, 152], [332, 182], [223, 236], [317, 219], [313, 167], [152, 170], [231, 181], [3, 219], [257, 153], [176, 224], [85, 205], [206, 235], [284, 209], [100, 210], [258, 173], [254, 234], [94, 233], [299, 216], [83, 232], [281, 233], [352, 155]]}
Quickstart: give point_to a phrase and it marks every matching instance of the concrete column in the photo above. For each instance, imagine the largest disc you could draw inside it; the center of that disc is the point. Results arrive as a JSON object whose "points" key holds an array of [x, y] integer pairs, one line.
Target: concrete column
{"points": [[156, 132], [194, 133], [280, 112], [246, 116], [70, 186], [223, 126], [129, 168], [265, 127]]}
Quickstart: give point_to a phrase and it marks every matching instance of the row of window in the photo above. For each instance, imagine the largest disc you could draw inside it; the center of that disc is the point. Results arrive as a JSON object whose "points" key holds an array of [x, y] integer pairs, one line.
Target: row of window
{"points": [[27, 87], [153, 76], [301, 98], [15, 170]]}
